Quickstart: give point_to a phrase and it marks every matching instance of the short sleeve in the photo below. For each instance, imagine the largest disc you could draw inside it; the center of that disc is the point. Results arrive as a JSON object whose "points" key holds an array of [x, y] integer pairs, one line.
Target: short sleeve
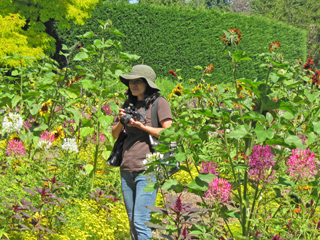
{"points": [[164, 110]]}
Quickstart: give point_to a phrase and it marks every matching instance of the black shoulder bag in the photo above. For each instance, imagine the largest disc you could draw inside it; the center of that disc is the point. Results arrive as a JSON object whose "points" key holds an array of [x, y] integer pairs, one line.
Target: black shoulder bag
{"points": [[115, 158]]}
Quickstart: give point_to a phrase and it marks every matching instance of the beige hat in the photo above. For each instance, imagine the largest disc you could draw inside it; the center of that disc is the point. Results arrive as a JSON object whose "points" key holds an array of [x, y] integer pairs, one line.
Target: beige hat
{"points": [[141, 71]]}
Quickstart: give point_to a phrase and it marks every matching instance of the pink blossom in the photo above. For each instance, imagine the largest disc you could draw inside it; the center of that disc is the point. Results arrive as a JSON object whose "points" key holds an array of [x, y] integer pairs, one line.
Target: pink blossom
{"points": [[209, 167], [219, 190], [107, 109], [302, 164], [101, 138], [46, 140], [261, 161], [15, 148]]}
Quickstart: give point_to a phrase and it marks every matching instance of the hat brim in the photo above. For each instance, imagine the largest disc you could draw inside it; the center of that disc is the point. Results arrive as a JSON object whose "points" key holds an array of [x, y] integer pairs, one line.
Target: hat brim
{"points": [[126, 77]]}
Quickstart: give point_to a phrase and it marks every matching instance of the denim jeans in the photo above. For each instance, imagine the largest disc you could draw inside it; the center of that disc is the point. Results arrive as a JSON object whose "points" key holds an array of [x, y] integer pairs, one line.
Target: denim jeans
{"points": [[136, 200]]}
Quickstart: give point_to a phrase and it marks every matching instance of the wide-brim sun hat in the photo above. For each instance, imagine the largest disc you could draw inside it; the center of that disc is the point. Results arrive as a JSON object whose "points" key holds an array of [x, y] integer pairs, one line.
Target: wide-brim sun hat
{"points": [[141, 71]]}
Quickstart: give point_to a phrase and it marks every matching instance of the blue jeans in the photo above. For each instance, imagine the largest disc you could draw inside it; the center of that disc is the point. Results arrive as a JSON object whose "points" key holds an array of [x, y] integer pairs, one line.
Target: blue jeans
{"points": [[136, 200]]}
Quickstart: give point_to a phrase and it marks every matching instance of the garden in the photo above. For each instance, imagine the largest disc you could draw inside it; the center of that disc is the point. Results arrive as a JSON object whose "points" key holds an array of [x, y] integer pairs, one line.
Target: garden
{"points": [[248, 150]]}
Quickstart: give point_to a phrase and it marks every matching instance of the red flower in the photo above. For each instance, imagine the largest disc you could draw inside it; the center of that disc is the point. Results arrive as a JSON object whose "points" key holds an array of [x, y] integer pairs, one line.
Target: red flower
{"points": [[316, 78], [308, 64], [234, 37], [209, 68], [173, 73], [274, 46]]}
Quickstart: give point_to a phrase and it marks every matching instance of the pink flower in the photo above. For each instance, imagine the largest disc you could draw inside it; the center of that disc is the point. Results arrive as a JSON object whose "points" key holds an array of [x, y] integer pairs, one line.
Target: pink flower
{"points": [[261, 161], [209, 167], [15, 148], [101, 138], [107, 109], [219, 190], [302, 164], [46, 140]]}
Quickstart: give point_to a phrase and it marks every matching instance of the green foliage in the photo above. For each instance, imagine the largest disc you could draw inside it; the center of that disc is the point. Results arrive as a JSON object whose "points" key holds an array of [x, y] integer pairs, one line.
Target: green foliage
{"points": [[175, 38], [25, 25]]}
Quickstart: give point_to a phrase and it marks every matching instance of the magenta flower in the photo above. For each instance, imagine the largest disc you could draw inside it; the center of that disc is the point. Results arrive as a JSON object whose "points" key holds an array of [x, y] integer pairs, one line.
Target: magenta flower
{"points": [[107, 109], [209, 167], [15, 148], [219, 190], [102, 138], [46, 140], [261, 160], [302, 164]]}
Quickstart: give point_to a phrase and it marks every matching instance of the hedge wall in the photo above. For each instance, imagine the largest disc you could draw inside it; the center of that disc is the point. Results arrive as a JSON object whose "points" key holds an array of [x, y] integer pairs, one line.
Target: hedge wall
{"points": [[172, 38]]}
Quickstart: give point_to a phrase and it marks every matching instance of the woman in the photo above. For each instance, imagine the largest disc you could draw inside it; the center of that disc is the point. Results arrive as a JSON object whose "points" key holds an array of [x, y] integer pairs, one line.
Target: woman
{"points": [[142, 93]]}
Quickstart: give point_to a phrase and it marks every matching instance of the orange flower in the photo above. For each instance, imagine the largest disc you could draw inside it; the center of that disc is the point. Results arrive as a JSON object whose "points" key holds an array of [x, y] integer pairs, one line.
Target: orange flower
{"points": [[274, 99], [274, 46], [209, 68], [173, 73], [297, 210], [233, 38]]}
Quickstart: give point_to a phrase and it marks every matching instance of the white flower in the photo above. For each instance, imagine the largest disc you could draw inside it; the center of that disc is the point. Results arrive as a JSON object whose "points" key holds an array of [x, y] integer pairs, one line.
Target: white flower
{"points": [[44, 144], [12, 123], [70, 145]]}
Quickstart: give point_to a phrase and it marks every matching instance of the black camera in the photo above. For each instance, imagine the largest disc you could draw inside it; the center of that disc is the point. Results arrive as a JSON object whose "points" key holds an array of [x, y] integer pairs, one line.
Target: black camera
{"points": [[131, 112]]}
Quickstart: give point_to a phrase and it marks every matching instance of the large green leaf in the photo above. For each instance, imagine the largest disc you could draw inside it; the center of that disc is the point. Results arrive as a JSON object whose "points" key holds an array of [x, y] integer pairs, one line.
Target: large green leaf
{"points": [[262, 135], [81, 56], [254, 115], [86, 131], [106, 121], [294, 140], [311, 96], [239, 132]]}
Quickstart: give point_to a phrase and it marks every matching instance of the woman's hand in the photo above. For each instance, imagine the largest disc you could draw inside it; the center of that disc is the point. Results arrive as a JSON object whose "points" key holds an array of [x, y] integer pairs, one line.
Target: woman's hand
{"points": [[121, 113], [136, 124]]}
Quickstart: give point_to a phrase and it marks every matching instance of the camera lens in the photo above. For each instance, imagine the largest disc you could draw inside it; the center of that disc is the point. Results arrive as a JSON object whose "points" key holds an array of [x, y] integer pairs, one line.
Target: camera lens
{"points": [[126, 119]]}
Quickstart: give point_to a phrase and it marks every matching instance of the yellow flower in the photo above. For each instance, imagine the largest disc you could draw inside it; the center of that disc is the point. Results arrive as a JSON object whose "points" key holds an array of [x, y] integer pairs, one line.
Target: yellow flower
{"points": [[45, 108], [89, 111], [116, 94], [15, 137], [179, 87], [177, 92], [32, 84], [58, 133]]}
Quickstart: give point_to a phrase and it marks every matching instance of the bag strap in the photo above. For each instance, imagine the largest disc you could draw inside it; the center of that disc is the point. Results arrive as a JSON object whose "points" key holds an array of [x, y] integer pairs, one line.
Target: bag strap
{"points": [[154, 113]]}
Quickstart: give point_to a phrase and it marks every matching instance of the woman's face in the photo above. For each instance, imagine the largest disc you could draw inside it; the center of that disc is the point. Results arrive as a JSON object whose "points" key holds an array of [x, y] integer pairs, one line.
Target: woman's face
{"points": [[138, 87]]}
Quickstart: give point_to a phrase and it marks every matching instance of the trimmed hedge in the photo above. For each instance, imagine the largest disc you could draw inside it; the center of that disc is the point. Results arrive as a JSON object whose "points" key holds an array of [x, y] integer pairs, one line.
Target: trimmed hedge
{"points": [[173, 38]]}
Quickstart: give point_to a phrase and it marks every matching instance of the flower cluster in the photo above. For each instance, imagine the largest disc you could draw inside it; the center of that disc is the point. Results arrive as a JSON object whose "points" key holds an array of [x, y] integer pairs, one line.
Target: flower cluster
{"points": [[261, 162], [209, 68], [233, 37], [219, 190], [12, 123], [316, 78], [45, 108], [274, 46], [70, 145], [177, 91], [302, 164], [209, 167], [15, 148], [46, 140], [308, 64], [173, 73]]}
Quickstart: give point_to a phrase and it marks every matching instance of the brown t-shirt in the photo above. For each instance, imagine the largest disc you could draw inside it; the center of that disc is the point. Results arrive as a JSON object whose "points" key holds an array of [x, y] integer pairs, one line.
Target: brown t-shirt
{"points": [[137, 145]]}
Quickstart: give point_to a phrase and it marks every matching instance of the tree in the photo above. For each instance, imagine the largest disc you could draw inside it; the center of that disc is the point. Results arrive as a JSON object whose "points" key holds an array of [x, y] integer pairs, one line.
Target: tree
{"points": [[304, 14], [26, 25]]}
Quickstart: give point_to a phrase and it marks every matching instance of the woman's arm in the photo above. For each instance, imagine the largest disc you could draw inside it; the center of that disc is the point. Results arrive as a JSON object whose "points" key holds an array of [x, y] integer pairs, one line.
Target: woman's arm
{"points": [[116, 129], [152, 130]]}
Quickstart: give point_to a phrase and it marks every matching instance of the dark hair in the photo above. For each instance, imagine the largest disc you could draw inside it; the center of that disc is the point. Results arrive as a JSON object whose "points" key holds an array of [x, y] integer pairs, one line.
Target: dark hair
{"points": [[150, 95]]}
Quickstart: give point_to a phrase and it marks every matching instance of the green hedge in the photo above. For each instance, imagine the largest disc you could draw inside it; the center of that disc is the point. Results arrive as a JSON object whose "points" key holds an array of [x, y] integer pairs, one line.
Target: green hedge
{"points": [[172, 38]]}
